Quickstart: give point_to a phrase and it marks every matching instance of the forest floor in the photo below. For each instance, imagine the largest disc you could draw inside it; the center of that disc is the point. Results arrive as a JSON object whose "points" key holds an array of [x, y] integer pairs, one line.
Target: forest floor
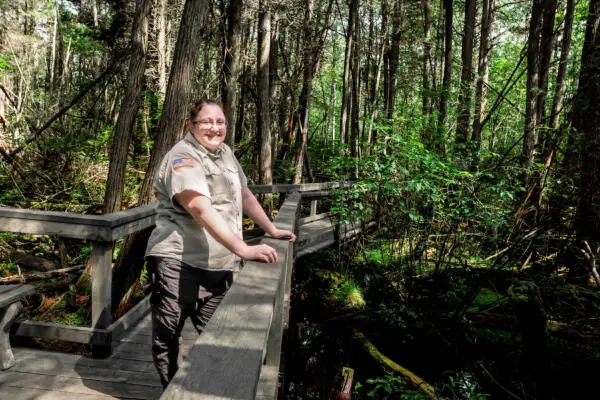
{"points": [[470, 333]]}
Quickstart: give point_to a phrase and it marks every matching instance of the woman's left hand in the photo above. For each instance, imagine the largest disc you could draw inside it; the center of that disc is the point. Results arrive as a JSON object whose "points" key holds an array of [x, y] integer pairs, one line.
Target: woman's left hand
{"points": [[282, 234]]}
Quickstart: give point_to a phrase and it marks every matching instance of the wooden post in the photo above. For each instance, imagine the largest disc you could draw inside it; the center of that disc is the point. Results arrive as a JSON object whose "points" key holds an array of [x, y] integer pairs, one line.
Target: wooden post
{"points": [[288, 285], [101, 291], [313, 207]]}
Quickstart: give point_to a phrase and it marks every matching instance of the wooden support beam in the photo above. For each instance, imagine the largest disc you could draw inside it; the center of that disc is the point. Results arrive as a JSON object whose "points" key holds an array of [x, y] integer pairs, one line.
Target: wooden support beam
{"points": [[101, 284]]}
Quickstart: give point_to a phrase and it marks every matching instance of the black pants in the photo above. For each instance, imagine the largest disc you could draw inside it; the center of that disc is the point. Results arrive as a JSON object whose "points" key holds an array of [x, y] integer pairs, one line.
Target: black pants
{"points": [[179, 292]]}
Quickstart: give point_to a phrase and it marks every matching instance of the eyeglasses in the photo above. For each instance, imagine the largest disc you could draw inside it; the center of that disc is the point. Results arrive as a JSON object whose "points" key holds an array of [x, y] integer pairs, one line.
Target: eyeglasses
{"points": [[207, 124]]}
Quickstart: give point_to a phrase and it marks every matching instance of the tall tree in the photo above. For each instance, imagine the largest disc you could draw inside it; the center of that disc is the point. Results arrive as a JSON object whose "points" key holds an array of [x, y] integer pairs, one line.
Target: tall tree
{"points": [[347, 80], [263, 114], [170, 129], [393, 60], [533, 73], [231, 67], [129, 109], [447, 78], [485, 50], [355, 69], [585, 119], [427, 61], [561, 79], [466, 77]]}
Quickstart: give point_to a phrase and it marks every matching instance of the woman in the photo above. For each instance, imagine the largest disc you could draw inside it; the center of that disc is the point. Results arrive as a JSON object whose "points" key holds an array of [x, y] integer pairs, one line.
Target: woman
{"points": [[197, 243]]}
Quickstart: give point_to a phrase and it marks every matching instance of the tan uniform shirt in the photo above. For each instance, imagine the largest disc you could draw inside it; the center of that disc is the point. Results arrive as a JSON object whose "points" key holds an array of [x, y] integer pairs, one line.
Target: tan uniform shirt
{"points": [[218, 176]]}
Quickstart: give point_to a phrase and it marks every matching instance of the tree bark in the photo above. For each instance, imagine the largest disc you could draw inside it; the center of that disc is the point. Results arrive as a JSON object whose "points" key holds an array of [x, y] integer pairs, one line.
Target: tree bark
{"points": [[129, 109], [355, 68], [231, 67], [485, 50], [533, 45], [447, 78], [347, 82], [305, 95], [561, 79], [426, 60], [393, 60], [466, 78], [263, 114]]}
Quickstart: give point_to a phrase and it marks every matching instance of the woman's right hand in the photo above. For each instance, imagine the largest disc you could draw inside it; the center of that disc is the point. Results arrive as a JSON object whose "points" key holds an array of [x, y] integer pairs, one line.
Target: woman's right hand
{"points": [[261, 252]]}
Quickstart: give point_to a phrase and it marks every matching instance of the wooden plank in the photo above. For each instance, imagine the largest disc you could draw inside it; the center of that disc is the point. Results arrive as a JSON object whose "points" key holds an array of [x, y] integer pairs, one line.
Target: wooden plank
{"points": [[313, 207], [17, 393], [52, 364], [313, 218], [53, 216], [13, 293], [290, 188], [110, 220], [131, 317], [133, 214], [268, 384], [79, 386], [101, 284], [226, 360], [132, 227], [118, 364], [67, 333], [62, 229]]}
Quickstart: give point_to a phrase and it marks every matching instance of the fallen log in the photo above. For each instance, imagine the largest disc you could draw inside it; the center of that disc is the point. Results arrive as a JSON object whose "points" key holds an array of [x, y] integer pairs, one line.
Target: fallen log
{"points": [[39, 276], [25, 260], [413, 380]]}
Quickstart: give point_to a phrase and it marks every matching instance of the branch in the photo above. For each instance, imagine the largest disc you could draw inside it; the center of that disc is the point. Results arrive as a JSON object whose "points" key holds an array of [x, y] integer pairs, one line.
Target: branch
{"points": [[39, 276], [75, 100]]}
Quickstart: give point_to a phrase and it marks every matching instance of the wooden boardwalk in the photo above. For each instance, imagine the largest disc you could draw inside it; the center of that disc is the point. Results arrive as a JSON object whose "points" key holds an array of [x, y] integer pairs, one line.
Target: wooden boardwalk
{"points": [[129, 372]]}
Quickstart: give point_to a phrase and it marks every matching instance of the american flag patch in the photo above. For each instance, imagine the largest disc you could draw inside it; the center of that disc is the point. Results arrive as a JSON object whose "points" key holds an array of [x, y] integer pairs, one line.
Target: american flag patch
{"points": [[183, 162]]}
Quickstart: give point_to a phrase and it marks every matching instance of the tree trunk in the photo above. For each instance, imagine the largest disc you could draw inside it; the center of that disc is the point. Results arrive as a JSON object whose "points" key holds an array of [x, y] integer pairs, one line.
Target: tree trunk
{"points": [[374, 95], [355, 68], [170, 129], [263, 114], [231, 67], [561, 79], [483, 67], [447, 78], [347, 83], [533, 45], [426, 60], [129, 109], [466, 78], [586, 119], [306, 93], [161, 45], [393, 60]]}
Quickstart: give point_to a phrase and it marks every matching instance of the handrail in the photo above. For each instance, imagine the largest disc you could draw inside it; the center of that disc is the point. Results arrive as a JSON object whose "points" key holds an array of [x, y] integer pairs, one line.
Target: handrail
{"points": [[227, 359], [103, 230]]}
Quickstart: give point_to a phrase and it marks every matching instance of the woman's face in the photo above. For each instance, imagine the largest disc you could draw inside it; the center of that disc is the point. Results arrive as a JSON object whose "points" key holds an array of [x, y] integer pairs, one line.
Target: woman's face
{"points": [[209, 127]]}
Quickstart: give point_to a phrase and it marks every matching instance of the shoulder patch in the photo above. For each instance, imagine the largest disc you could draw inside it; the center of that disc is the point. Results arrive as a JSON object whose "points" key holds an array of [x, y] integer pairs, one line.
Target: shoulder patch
{"points": [[183, 162]]}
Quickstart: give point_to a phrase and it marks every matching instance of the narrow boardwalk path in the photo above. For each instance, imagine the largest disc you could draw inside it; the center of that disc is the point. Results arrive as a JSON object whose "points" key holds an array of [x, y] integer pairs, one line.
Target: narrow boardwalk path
{"points": [[128, 374]]}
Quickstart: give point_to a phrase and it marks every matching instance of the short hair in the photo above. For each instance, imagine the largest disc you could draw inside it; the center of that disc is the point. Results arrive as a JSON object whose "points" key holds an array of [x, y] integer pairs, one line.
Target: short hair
{"points": [[199, 105]]}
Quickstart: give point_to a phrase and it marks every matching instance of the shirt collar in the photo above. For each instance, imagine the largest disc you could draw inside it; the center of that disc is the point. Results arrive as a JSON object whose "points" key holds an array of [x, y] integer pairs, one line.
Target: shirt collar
{"points": [[189, 137]]}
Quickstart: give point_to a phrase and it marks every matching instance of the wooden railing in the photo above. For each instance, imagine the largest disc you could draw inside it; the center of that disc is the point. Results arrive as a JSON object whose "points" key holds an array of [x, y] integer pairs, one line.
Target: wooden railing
{"points": [[102, 231], [237, 356]]}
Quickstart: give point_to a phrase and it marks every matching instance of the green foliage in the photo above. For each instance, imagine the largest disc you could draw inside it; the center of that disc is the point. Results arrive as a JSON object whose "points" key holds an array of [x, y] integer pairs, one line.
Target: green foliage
{"points": [[349, 293], [410, 192], [390, 386]]}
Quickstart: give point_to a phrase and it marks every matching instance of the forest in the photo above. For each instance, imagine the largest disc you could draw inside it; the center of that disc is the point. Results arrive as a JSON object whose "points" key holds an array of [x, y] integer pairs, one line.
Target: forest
{"points": [[469, 129]]}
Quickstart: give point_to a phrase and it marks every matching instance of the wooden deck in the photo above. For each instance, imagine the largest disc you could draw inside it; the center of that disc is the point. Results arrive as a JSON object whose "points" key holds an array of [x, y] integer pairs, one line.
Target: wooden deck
{"points": [[129, 373]]}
